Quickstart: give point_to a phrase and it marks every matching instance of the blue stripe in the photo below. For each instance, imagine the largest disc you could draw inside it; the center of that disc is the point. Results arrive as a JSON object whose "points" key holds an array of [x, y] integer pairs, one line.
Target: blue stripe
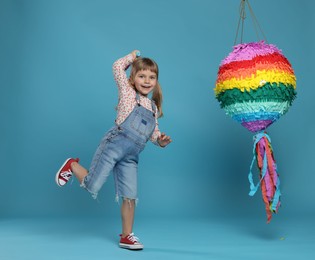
{"points": [[250, 117]]}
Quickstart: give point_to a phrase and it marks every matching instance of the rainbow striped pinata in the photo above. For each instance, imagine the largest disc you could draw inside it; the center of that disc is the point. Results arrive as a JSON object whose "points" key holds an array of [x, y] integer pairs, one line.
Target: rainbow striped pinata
{"points": [[256, 86]]}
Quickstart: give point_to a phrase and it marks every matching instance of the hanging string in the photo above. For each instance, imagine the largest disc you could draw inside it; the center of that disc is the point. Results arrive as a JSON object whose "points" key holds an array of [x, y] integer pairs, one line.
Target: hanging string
{"points": [[256, 23], [241, 23]]}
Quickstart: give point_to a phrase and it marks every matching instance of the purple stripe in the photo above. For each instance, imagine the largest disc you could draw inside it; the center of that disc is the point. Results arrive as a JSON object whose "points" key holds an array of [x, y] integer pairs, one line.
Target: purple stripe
{"points": [[258, 125]]}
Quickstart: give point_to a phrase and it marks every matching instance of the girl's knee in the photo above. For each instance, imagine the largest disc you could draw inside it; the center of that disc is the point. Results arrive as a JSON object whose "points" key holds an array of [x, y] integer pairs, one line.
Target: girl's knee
{"points": [[130, 202]]}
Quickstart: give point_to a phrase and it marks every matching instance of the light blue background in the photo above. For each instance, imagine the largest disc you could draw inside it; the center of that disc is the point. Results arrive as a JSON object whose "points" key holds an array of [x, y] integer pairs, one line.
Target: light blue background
{"points": [[58, 98]]}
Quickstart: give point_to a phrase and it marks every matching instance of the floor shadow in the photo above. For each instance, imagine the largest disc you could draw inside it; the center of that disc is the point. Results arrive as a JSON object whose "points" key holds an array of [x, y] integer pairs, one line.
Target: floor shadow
{"points": [[177, 252]]}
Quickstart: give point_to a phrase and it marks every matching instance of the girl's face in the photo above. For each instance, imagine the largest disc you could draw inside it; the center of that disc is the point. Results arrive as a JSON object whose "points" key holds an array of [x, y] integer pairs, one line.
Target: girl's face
{"points": [[145, 81]]}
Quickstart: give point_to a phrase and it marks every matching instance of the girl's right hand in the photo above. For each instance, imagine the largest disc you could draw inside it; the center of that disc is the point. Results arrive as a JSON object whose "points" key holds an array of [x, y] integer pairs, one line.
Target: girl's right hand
{"points": [[164, 140], [134, 54]]}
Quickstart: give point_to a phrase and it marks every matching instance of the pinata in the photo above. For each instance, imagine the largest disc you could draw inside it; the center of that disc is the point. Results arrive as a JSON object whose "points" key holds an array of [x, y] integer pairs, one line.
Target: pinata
{"points": [[256, 85]]}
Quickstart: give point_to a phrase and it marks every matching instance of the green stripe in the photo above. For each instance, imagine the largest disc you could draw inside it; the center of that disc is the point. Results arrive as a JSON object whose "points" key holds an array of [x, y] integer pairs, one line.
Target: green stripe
{"points": [[268, 92]]}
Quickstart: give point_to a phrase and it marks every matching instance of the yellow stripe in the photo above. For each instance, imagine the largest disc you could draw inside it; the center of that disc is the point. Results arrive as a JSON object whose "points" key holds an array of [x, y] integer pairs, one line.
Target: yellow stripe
{"points": [[256, 81]]}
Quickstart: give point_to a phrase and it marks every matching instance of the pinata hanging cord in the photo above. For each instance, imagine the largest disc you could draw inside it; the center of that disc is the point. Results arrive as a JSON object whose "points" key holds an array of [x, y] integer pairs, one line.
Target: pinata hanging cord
{"points": [[242, 19]]}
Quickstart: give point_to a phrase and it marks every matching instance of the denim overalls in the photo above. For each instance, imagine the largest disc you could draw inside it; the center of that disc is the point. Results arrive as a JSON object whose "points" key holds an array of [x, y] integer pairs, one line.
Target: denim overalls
{"points": [[119, 152]]}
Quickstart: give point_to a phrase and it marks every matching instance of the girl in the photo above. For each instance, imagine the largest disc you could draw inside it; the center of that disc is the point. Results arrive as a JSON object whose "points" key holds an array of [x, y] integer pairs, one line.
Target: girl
{"points": [[119, 150]]}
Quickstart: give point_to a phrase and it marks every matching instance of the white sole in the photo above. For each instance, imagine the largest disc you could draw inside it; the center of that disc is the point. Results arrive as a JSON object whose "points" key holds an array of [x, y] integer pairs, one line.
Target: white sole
{"points": [[131, 247], [57, 174]]}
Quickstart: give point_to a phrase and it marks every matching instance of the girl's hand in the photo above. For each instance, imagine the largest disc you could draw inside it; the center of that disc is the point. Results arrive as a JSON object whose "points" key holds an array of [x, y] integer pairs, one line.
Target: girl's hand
{"points": [[134, 54], [164, 140]]}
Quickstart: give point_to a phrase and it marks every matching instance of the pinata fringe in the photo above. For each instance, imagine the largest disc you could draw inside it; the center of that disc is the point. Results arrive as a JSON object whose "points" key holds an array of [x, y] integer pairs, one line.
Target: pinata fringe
{"points": [[268, 176]]}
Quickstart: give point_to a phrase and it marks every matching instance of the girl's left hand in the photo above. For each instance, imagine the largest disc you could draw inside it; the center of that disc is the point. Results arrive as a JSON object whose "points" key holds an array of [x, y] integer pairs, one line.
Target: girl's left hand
{"points": [[134, 54], [164, 140]]}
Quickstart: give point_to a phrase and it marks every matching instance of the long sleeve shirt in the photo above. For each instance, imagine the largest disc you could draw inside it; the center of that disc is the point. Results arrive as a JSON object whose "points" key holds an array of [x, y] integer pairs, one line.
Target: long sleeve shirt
{"points": [[127, 95]]}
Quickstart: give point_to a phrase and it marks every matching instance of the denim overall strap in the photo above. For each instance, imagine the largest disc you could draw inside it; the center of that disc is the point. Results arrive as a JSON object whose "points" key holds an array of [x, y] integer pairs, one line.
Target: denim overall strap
{"points": [[138, 98], [153, 107]]}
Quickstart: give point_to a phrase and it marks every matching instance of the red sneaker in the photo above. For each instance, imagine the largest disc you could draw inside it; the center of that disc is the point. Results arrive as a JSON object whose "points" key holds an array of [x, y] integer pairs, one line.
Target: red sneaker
{"points": [[65, 173], [130, 242]]}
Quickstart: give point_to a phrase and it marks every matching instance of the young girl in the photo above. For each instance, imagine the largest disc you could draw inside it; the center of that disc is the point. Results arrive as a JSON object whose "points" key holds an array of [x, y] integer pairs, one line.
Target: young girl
{"points": [[119, 150]]}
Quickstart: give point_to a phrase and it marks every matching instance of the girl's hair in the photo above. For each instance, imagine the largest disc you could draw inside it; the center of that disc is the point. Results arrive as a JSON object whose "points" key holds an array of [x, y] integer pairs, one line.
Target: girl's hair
{"points": [[148, 64]]}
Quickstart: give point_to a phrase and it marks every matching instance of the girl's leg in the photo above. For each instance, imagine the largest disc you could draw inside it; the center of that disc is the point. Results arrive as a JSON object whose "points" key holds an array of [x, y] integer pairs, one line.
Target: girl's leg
{"points": [[128, 240], [127, 215], [79, 171]]}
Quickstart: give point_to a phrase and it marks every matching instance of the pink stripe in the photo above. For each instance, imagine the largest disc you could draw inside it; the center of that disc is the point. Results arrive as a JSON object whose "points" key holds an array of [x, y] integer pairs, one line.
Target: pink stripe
{"points": [[248, 51], [268, 182]]}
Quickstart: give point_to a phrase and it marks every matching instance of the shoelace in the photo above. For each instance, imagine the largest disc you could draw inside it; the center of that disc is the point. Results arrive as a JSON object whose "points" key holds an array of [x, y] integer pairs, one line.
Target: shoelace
{"points": [[66, 174], [133, 238]]}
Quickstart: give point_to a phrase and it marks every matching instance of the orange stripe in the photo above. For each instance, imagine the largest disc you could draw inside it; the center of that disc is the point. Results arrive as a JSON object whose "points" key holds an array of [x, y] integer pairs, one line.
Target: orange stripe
{"points": [[248, 73]]}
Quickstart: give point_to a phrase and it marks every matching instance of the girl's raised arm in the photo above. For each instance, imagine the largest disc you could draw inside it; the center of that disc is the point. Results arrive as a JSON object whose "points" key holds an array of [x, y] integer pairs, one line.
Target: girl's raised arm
{"points": [[121, 65]]}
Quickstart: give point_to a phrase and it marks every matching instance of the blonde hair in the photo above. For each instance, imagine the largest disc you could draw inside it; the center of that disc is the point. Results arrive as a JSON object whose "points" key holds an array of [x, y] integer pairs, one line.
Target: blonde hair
{"points": [[148, 64]]}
